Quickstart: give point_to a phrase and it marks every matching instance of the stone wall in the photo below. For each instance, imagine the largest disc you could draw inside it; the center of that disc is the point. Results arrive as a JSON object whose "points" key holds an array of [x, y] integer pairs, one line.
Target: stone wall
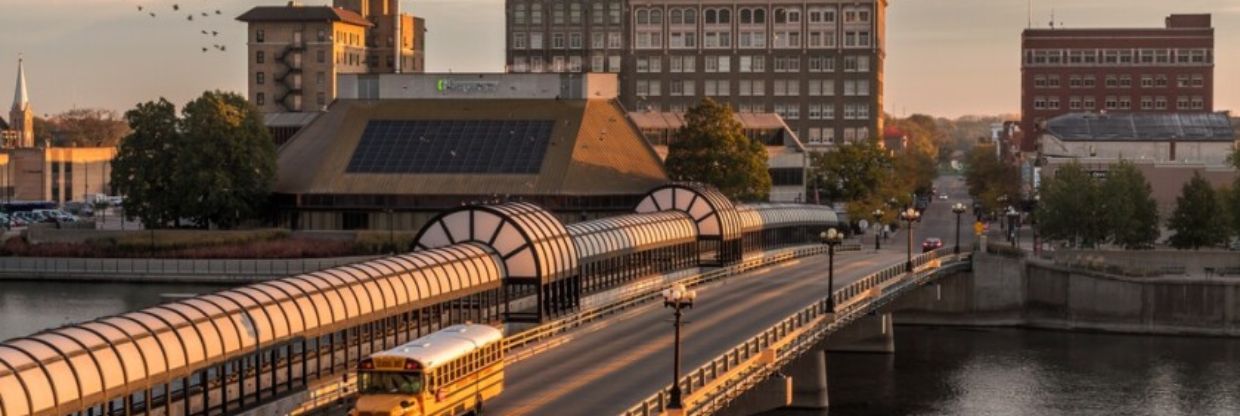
{"points": [[1003, 291]]}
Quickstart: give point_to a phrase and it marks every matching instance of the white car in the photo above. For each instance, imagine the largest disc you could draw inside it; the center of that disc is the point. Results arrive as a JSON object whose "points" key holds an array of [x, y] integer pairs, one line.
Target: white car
{"points": [[943, 196]]}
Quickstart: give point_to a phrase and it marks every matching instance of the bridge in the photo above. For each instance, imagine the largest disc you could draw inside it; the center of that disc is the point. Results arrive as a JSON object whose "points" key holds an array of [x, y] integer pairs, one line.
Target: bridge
{"points": [[583, 338]]}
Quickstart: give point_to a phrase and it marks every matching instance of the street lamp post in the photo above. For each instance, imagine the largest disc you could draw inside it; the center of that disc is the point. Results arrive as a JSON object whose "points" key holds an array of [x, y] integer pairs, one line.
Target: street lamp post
{"points": [[909, 215], [677, 298], [831, 238], [958, 209], [878, 218], [1013, 224]]}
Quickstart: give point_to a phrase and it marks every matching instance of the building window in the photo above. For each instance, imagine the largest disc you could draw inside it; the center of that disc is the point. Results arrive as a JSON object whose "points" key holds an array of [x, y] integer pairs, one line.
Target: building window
{"points": [[822, 64], [1074, 103], [536, 13], [574, 40], [321, 35], [1090, 104], [856, 64], [751, 87], [518, 13], [260, 99], [1125, 81], [574, 13], [682, 64], [519, 41], [596, 13], [613, 63], [788, 64], [1052, 103], [613, 40], [260, 78], [1160, 103], [557, 13], [717, 88], [649, 88], [613, 12], [260, 36], [1125, 103], [320, 78], [681, 88], [320, 56], [1039, 103], [1147, 103], [752, 63], [557, 41], [536, 40], [1111, 103], [718, 63], [1089, 81], [260, 57], [355, 220]]}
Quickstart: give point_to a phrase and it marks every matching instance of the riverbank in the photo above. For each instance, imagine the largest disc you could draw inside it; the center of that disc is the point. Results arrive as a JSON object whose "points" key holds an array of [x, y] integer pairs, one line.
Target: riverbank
{"points": [[1005, 291]]}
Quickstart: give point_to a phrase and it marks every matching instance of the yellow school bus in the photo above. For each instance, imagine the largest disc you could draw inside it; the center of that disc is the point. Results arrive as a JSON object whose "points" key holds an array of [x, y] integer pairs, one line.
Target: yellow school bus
{"points": [[450, 372]]}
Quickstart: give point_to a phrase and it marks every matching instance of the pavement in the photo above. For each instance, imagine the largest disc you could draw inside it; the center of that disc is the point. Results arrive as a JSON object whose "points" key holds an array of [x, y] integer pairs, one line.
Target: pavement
{"points": [[611, 365]]}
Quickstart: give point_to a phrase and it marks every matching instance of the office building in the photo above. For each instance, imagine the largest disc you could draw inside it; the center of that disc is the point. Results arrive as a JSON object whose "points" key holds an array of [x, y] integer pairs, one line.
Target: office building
{"points": [[818, 64], [296, 51], [1163, 70]]}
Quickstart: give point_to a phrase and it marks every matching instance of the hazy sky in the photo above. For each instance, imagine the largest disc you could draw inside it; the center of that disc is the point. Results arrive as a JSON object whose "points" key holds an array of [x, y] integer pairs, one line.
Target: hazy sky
{"points": [[944, 57]]}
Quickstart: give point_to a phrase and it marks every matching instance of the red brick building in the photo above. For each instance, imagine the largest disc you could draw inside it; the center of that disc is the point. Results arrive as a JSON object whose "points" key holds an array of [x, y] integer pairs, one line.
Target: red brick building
{"points": [[1167, 69]]}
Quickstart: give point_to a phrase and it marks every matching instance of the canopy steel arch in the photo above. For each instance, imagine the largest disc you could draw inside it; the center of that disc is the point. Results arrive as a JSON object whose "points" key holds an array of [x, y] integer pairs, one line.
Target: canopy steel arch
{"points": [[715, 215]]}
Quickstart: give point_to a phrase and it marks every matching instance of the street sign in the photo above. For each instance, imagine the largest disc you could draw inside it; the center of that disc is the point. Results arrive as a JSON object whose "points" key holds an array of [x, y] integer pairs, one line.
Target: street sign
{"points": [[978, 228]]}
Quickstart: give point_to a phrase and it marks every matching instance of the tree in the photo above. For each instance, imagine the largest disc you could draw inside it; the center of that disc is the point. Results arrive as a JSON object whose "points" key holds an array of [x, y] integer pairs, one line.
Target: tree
{"points": [[852, 172], [1070, 208], [712, 148], [1198, 219], [145, 162], [88, 127], [1129, 208], [213, 166], [990, 180]]}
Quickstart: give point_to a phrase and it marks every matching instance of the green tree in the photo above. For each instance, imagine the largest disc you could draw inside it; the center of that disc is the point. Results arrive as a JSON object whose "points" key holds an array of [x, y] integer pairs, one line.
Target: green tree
{"points": [[88, 127], [712, 148], [1130, 210], [228, 160], [213, 166], [1070, 208], [1198, 219], [145, 162], [990, 181], [852, 172]]}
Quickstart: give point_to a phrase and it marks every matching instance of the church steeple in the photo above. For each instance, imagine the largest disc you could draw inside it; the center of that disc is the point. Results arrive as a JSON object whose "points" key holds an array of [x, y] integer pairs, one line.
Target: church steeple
{"points": [[21, 117]]}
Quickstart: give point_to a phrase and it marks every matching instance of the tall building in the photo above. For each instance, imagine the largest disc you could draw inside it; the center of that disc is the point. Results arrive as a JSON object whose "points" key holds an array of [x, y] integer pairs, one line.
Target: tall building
{"points": [[295, 51], [1168, 69], [20, 132], [817, 63]]}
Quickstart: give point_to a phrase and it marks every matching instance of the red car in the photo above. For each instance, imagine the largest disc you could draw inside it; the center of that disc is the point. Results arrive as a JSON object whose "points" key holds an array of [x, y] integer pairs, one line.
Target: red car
{"points": [[931, 243]]}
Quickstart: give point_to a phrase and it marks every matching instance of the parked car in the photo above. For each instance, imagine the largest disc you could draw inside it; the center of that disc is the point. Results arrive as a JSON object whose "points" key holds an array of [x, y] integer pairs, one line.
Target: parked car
{"points": [[931, 243], [943, 197], [29, 217]]}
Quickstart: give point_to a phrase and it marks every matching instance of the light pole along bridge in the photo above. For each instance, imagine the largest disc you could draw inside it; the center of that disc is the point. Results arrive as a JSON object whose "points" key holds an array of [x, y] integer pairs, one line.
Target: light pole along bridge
{"points": [[290, 344]]}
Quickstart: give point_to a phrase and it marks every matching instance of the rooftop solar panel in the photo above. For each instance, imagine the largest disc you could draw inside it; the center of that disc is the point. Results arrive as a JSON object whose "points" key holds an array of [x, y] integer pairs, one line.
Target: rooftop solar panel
{"points": [[452, 146]]}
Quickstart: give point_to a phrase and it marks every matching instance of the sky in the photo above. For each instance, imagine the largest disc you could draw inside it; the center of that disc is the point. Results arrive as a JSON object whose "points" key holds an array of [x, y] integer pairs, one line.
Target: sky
{"points": [[944, 57]]}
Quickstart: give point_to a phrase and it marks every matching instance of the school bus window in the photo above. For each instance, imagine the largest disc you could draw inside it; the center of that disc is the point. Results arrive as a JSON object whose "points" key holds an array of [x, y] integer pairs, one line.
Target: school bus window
{"points": [[390, 383]]}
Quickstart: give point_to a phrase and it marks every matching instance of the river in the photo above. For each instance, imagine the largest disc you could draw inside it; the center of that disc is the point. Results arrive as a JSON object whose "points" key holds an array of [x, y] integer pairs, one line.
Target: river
{"points": [[30, 306], [960, 371]]}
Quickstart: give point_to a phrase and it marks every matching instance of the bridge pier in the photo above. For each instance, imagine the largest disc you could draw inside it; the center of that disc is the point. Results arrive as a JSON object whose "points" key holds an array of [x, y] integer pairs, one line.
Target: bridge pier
{"points": [[771, 394], [869, 334], [809, 381]]}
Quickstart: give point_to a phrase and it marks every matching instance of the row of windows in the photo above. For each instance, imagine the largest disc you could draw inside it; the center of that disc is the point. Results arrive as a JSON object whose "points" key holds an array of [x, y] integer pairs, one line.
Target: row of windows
{"points": [[744, 39], [1137, 56], [459, 368], [753, 88], [598, 63], [751, 63], [1112, 102], [523, 13], [260, 99], [560, 40], [1120, 81], [826, 135], [749, 15]]}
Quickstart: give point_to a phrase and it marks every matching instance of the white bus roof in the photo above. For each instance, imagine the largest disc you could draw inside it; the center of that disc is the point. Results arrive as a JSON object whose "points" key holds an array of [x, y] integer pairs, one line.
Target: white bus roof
{"points": [[445, 344]]}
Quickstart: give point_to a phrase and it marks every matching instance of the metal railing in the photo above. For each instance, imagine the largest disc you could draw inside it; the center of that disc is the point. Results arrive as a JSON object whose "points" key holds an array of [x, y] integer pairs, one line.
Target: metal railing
{"points": [[239, 270], [711, 387], [516, 345]]}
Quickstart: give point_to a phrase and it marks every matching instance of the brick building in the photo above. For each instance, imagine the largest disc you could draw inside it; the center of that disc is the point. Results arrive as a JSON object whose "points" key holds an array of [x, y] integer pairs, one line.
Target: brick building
{"points": [[818, 63], [296, 51], [1168, 69]]}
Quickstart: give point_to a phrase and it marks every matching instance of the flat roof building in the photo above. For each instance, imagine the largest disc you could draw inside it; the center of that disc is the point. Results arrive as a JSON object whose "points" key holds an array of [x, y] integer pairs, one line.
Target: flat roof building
{"points": [[1169, 69], [818, 64]]}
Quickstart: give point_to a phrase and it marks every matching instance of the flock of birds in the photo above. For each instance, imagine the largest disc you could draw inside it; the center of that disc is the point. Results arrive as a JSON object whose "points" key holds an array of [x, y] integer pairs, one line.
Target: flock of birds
{"points": [[202, 16]]}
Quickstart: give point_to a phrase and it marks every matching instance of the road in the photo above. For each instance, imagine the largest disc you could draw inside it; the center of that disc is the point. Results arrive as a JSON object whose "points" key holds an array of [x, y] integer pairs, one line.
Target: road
{"points": [[613, 364]]}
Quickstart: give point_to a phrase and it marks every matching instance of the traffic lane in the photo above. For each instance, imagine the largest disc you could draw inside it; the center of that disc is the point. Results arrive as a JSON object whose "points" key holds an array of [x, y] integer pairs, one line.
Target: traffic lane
{"points": [[606, 371]]}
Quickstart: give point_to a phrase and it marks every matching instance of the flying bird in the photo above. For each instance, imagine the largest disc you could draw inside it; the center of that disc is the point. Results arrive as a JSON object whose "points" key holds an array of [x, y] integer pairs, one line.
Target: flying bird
{"points": [[176, 7], [152, 14], [139, 7], [204, 32], [204, 14], [217, 12], [204, 50], [190, 17], [214, 33]]}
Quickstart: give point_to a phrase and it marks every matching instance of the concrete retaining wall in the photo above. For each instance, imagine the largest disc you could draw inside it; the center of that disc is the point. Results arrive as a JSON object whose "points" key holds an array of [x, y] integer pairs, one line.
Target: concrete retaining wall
{"points": [[163, 270], [1004, 291]]}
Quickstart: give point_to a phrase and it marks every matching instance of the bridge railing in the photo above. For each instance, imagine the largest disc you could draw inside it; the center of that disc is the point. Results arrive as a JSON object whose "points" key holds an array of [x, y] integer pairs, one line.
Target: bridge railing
{"points": [[712, 386], [516, 345]]}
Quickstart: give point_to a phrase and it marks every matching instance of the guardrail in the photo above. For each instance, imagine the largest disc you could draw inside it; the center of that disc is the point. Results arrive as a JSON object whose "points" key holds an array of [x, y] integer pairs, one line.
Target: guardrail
{"points": [[712, 386], [515, 345]]}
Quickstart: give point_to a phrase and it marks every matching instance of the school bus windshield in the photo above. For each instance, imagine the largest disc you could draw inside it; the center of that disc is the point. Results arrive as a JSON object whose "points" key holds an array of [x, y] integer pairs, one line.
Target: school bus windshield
{"points": [[390, 383]]}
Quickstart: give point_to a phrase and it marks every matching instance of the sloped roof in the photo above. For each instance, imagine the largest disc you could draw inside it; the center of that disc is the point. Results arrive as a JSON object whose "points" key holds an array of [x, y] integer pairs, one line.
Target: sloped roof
{"points": [[1142, 127], [303, 14], [593, 150]]}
